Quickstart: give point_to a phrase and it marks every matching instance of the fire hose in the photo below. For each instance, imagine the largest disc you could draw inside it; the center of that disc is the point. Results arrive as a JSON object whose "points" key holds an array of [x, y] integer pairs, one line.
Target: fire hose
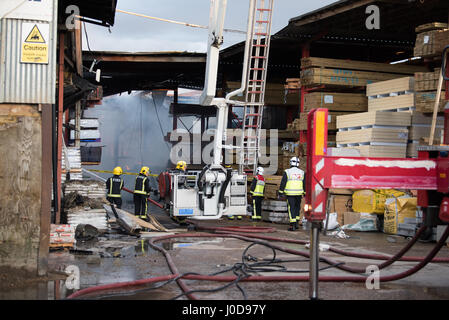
{"points": [[261, 239]]}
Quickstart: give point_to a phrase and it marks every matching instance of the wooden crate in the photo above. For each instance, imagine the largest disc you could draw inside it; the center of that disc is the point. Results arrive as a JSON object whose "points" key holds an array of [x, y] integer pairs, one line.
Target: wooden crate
{"points": [[336, 101], [403, 84], [398, 119]]}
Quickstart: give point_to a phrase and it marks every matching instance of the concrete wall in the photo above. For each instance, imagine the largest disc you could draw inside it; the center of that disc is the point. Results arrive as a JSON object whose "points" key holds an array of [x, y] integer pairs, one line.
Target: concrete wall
{"points": [[20, 181]]}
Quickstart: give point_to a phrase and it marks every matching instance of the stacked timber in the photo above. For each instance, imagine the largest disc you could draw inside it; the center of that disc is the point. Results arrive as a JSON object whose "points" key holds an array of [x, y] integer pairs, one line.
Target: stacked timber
{"points": [[426, 86], [349, 73], [292, 84], [431, 39], [375, 133]]}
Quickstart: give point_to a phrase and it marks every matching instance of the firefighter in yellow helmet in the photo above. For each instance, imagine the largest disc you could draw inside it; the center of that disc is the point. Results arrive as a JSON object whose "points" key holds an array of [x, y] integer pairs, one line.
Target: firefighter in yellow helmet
{"points": [[292, 187], [141, 193], [114, 186], [181, 167]]}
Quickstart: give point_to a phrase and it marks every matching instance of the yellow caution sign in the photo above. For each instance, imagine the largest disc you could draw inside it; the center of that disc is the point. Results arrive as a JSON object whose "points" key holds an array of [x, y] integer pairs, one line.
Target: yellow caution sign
{"points": [[35, 43], [35, 36]]}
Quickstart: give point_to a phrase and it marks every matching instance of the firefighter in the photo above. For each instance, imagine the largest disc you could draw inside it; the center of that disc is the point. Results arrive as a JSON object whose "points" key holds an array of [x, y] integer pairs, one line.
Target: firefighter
{"points": [[114, 186], [292, 187], [181, 167], [141, 192], [257, 193]]}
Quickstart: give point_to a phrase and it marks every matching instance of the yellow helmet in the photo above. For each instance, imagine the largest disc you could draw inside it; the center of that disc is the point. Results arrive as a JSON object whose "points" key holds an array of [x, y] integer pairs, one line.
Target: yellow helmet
{"points": [[182, 165], [145, 170], [117, 171]]}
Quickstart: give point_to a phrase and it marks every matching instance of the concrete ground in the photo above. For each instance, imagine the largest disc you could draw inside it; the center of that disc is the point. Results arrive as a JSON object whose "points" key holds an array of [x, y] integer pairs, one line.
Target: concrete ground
{"points": [[118, 258]]}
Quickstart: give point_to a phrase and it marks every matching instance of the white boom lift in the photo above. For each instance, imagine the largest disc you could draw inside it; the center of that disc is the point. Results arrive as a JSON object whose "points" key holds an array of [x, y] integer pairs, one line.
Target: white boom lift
{"points": [[222, 191]]}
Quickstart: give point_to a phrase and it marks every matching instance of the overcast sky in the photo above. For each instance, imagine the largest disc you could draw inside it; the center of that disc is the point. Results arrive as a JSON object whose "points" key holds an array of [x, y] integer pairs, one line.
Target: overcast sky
{"points": [[136, 34]]}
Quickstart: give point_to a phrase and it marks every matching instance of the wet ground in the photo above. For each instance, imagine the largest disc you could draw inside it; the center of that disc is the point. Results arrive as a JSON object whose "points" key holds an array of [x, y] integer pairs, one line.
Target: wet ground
{"points": [[118, 258]]}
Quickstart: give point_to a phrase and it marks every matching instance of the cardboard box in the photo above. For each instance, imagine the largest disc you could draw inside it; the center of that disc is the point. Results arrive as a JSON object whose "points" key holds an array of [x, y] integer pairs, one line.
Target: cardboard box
{"points": [[340, 204], [351, 217]]}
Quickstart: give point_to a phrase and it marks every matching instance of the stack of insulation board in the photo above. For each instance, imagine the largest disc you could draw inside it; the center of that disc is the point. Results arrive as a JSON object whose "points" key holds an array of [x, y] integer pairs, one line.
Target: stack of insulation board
{"points": [[73, 155], [89, 130], [94, 217], [392, 95], [87, 188], [375, 133], [399, 95], [275, 211]]}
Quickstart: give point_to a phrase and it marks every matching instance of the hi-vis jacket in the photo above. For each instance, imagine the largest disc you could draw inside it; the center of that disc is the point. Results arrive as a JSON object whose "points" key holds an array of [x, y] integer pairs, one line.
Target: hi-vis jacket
{"points": [[292, 183], [114, 185], [257, 186], [142, 185]]}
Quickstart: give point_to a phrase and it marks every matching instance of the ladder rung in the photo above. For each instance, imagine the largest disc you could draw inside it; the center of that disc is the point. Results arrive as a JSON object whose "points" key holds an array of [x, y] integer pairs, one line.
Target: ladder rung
{"points": [[261, 34], [263, 9], [262, 21], [253, 126], [255, 80], [259, 69], [258, 57], [260, 45], [253, 115]]}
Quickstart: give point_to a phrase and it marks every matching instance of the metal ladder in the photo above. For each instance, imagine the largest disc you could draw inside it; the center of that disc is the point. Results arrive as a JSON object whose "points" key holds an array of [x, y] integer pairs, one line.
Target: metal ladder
{"points": [[255, 87]]}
